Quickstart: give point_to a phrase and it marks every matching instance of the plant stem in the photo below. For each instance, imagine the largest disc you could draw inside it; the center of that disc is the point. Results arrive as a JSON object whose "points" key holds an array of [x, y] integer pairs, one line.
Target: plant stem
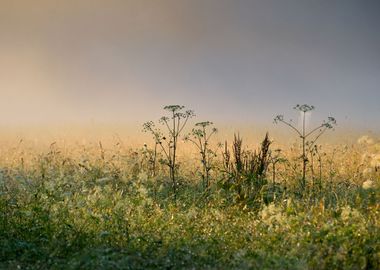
{"points": [[304, 159]]}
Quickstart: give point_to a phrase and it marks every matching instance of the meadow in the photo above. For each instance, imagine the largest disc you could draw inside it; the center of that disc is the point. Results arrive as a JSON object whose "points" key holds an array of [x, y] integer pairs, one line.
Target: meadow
{"points": [[106, 205]]}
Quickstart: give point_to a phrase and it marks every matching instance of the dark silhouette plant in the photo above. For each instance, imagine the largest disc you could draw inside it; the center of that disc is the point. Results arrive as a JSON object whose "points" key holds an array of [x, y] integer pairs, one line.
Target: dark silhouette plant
{"points": [[174, 124], [317, 132], [200, 137], [246, 170]]}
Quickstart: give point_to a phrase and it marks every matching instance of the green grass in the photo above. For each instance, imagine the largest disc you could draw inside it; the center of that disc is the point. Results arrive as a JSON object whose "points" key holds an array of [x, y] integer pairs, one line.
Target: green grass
{"points": [[66, 212]]}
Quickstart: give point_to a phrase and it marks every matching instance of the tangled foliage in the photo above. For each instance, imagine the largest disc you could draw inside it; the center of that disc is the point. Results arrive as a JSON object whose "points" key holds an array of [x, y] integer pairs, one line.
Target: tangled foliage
{"points": [[101, 208]]}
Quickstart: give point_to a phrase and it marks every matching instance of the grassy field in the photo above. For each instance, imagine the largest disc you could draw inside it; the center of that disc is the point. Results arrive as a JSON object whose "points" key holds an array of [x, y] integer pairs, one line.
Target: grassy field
{"points": [[82, 205]]}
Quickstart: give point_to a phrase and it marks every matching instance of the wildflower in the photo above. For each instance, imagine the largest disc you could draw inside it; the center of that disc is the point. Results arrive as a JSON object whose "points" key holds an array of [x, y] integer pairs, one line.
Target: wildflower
{"points": [[142, 191], [367, 171], [142, 176], [349, 214], [366, 158], [103, 180], [375, 161], [368, 184], [365, 140], [192, 214], [377, 147], [343, 170], [272, 216]]}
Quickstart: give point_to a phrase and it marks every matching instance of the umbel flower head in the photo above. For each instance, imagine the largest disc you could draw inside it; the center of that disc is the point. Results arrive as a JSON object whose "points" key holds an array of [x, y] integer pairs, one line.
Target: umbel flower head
{"points": [[173, 108], [203, 124], [176, 111], [329, 123], [304, 108]]}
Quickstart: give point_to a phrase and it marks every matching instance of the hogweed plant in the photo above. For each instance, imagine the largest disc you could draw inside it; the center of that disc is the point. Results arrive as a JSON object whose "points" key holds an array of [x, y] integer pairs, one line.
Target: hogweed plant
{"points": [[174, 124], [200, 136], [308, 138]]}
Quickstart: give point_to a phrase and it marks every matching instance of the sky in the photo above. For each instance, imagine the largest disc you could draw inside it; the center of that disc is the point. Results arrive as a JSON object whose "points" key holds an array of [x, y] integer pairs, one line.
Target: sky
{"points": [[121, 61]]}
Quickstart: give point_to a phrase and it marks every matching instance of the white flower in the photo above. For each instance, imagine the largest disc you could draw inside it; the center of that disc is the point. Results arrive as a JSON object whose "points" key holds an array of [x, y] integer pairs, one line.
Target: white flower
{"points": [[143, 191], [366, 158], [272, 216], [368, 184], [375, 160], [142, 176], [367, 171], [343, 170], [365, 140], [192, 214], [103, 181], [377, 147], [349, 214]]}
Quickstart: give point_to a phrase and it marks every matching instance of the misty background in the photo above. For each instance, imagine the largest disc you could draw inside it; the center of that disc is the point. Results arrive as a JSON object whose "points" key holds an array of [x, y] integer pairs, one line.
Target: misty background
{"points": [[233, 62]]}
